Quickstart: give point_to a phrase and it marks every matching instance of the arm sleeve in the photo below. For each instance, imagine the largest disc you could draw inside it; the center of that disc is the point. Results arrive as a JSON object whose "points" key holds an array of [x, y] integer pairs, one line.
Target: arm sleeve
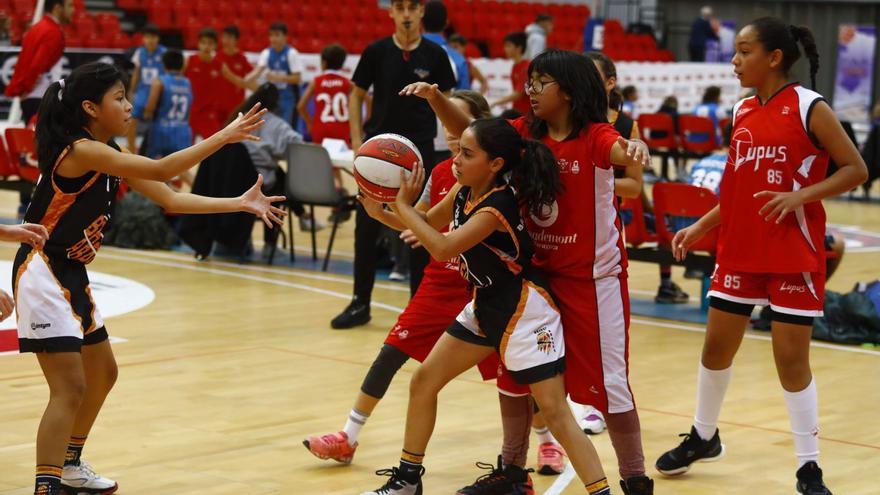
{"points": [[264, 59], [445, 77], [294, 61], [426, 193], [365, 72]]}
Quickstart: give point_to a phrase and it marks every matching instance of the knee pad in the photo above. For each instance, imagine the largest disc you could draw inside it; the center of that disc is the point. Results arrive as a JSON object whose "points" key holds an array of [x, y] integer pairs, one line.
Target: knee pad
{"points": [[382, 371]]}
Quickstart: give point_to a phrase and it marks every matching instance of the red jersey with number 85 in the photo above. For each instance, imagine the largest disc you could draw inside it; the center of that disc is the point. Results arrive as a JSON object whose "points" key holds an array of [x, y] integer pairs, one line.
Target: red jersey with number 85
{"points": [[331, 107], [771, 150]]}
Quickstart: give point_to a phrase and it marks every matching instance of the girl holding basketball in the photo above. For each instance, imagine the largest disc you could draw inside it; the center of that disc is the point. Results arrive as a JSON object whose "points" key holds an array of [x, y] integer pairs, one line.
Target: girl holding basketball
{"points": [[438, 300], [771, 243], [81, 169], [578, 238], [511, 312]]}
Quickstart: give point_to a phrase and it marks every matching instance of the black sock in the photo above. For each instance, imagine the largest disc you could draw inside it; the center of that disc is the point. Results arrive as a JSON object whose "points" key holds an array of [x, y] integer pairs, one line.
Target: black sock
{"points": [[410, 467], [48, 480], [74, 451], [665, 275]]}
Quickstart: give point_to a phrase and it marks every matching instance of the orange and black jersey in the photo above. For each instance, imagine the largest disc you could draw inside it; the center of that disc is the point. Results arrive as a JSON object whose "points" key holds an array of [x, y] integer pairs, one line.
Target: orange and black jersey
{"points": [[501, 258], [75, 211]]}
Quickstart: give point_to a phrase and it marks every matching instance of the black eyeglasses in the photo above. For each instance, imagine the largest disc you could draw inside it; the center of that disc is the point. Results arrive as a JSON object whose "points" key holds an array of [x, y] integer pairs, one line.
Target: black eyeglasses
{"points": [[537, 86]]}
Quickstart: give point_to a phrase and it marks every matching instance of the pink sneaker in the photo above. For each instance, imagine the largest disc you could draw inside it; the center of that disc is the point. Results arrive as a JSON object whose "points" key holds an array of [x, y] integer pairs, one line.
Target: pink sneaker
{"points": [[333, 446], [551, 458]]}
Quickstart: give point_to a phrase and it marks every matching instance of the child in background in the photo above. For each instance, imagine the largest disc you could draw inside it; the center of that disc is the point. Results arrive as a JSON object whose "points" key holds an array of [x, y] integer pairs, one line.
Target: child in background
{"points": [[514, 49], [203, 71], [147, 62], [284, 67]]}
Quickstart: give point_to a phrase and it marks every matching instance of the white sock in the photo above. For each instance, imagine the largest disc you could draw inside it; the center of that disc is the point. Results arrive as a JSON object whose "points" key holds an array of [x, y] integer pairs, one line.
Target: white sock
{"points": [[353, 425], [544, 435], [803, 411], [711, 387]]}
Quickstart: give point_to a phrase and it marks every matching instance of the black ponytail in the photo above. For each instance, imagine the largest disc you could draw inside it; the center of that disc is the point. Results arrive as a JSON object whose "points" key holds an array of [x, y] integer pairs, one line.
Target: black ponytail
{"points": [[534, 172], [775, 34], [61, 117]]}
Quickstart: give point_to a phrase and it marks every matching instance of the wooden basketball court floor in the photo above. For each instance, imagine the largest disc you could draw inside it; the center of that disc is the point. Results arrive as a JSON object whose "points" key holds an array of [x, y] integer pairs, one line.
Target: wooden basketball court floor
{"points": [[226, 371]]}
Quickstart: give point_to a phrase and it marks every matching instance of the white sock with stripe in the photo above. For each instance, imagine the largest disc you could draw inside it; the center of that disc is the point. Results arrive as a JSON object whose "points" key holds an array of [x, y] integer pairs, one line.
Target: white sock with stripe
{"points": [[544, 435], [711, 387], [803, 412], [356, 420]]}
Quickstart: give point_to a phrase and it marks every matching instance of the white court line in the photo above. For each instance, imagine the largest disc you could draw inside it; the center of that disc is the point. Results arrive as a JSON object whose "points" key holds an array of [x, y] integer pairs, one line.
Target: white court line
{"points": [[562, 482]]}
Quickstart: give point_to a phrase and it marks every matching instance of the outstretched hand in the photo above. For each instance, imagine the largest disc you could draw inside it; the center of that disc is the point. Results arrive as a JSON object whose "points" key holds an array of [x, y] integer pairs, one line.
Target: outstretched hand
{"points": [[421, 89], [636, 150], [242, 128], [254, 201]]}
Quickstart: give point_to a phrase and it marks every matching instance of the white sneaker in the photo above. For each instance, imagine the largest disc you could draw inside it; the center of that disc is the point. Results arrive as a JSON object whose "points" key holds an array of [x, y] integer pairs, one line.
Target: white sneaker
{"points": [[592, 421], [397, 276], [305, 224], [82, 480]]}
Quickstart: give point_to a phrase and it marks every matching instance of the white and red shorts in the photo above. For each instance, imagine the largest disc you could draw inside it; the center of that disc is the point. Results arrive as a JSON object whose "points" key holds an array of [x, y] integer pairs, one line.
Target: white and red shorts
{"points": [[795, 294], [595, 322], [440, 298]]}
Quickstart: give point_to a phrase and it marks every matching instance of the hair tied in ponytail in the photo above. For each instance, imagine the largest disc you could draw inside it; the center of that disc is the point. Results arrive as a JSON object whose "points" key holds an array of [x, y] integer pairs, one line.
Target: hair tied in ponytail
{"points": [[795, 32], [60, 88]]}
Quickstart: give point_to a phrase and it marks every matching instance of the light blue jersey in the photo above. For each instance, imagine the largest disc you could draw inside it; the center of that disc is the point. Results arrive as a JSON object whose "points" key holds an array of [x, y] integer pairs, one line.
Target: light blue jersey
{"points": [[708, 172], [150, 67], [171, 131]]}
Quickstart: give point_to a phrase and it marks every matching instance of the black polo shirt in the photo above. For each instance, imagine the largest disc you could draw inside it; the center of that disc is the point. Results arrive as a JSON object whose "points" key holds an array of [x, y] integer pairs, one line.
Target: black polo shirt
{"points": [[388, 69]]}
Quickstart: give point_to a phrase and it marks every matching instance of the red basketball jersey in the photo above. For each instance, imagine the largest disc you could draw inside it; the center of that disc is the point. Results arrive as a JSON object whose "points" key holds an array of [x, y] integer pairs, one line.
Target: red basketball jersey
{"points": [[331, 107], [442, 181], [204, 76], [771, 150], [519, 76], [580, 234], [231, 95]]}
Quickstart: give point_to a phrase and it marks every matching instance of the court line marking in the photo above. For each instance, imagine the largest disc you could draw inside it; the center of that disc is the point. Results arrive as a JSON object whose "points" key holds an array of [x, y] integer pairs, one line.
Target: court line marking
{"points": [[206, 267]]}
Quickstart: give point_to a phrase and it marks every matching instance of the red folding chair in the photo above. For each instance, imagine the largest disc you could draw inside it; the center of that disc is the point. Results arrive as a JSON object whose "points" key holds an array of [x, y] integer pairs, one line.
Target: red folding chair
{"points": [[633, 215], [23, 151], [677, 206], [658, 132], [690, 126]]}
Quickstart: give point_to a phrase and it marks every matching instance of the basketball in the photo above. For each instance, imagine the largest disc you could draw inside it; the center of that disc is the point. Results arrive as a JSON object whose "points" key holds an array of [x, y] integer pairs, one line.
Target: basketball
{"points": [[378, 162]]}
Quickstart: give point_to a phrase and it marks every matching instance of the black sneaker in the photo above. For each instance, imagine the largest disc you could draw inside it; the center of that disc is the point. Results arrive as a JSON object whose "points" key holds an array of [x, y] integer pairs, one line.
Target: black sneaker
{"points": [[397, 486], [809, 480], [637, 485], [507, 480], [354, 315], [692, 449], [671, 294]]}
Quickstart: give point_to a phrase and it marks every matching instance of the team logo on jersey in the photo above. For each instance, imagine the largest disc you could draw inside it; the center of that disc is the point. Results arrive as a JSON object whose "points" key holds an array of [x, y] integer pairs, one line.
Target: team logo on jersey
{"points": [[742, 111], [575, 167], [786, 110], [422, 73], [745, 151], [40, 326], [544, 339], [792, 289], [547, 215]]}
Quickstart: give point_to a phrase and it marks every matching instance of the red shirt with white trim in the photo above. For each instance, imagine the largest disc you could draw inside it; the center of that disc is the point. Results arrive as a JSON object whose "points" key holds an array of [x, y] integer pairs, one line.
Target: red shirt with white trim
{"points": [[771, 150], [580, 235], [331, 90], [41, 48], [231, 95]]}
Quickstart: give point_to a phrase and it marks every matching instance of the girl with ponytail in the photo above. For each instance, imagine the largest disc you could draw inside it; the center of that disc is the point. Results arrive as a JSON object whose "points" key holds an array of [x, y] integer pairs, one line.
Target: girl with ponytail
{"points": [[81, 168], [501, 175], [770, 249]]}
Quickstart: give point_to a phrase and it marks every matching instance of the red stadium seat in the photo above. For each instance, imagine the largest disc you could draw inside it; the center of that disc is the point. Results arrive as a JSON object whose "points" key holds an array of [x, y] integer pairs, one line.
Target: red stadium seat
{"points": [[7, 166], [636, 229], [688, 125], [652, 124], [23, 149], [675, 204]]}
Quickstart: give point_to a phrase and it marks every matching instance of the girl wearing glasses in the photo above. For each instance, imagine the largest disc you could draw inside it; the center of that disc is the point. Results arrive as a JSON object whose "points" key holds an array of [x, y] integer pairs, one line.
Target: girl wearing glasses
{"points": [[578, 238]]}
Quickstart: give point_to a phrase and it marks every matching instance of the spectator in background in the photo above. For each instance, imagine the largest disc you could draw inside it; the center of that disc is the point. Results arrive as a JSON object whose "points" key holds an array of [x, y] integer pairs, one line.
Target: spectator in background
{"points": [[283, 68], [168, 107], [871, 150], [537, 33], [701, 31], [234, 67], [148, 67], [203, 70], [435, 21], [669, 106], [276, 135], [630, 97], [41, 48], [388, 65], [459, 44], [514, 50], [711, 109]]}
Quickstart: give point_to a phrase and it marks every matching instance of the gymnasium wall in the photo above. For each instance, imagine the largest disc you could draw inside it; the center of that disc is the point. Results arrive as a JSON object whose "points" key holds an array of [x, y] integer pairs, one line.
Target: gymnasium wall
{"points": [[823, 17]]}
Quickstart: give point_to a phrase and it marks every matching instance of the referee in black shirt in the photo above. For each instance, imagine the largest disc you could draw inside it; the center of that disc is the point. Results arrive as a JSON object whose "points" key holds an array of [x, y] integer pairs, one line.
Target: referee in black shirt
{"points": [[388, 65]]}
